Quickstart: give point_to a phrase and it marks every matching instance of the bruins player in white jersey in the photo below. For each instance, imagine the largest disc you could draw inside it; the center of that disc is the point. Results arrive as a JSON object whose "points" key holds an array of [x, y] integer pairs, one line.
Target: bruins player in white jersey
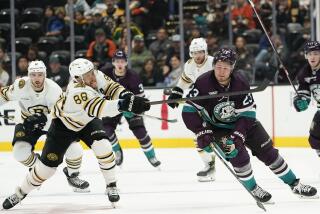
{"points": [[199, 63], [77, 115], [36, 96]]}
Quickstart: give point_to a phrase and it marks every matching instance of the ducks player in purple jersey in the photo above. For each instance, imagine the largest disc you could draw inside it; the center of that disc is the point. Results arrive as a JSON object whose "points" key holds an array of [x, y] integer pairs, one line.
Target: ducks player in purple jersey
{"points": [[230, 123], [309, 84], [132, 82]]}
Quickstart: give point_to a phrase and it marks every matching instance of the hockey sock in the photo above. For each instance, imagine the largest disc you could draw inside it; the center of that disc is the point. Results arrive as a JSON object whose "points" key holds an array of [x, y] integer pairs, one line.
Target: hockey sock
{"points": [[22, 152], [281, 169], [115, 143], [36, 177], [106, 159], [246, 176], [145, 141], [74, 158]]}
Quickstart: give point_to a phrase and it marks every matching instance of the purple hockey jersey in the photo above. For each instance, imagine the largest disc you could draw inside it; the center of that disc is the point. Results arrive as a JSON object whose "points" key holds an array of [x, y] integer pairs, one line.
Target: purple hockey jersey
{"points": [[131, 81], [233, 112]]}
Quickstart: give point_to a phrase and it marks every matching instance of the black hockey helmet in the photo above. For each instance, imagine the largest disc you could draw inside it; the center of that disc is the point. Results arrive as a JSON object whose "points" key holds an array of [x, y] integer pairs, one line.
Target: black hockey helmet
{"points": [[225, 55], [311, 46], [119, 54]]}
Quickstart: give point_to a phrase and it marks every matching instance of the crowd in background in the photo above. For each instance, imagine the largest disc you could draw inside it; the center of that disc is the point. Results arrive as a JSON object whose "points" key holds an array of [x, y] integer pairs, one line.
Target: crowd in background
{"points": [[42, 32]]}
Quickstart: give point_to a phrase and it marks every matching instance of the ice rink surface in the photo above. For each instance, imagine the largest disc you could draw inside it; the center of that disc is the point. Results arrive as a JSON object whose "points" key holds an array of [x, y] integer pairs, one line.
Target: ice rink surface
{"points": [[173, 190]]}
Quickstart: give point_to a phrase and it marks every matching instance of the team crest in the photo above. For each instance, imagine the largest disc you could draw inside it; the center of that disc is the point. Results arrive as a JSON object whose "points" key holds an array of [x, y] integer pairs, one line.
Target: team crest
{"points": [[225, 112], [20, 134], [315, 90], [21, 83], [52, 156]]}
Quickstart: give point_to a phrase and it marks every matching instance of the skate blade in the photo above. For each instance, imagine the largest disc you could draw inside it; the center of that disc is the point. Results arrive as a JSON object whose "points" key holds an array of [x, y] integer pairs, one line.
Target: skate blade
{"points": [[113, 205], [270, 202], [308, 197], [206, 179], [77, 190]]}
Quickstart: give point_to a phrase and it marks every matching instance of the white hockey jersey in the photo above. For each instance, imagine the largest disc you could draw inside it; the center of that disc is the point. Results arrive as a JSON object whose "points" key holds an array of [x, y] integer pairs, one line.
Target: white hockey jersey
{"points": [[80, 103], [192, 71], [29, 100]]}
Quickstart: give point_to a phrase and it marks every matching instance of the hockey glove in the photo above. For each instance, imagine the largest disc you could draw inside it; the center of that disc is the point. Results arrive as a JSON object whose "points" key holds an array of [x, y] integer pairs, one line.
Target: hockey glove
{"points": [[301, 102], [134, 104], [125, 93], [204, 140], [35, 122], [127, 114], [176, 93]]}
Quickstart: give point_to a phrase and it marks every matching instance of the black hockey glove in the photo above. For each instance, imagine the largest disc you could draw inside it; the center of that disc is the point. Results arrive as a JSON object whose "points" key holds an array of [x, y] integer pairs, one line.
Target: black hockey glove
{"points": [[35, 122], [125, 93], [176, 93], [134, 104]]}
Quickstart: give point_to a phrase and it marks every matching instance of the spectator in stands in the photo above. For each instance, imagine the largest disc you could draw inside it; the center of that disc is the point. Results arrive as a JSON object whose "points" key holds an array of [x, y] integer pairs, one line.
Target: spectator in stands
{"points": [[4, 76], [174, 49], [80, 23], [139, 53], [53, 24], [22, 68], [160, 46], [78, 5], [139, 10], [4, 58], [172, 78], [245, 59], [149, 73], [242, 17], [97, 23], [112, 12], [218, 22], [213, 43], [101, 50], [32, 53], [58, 73], [120, 34]]}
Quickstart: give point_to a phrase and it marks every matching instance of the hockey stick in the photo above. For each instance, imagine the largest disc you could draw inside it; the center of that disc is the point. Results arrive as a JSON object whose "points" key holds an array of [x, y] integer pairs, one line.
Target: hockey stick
{"points": [[216, 151], [158, 118], [272, 45], [261, 87]]}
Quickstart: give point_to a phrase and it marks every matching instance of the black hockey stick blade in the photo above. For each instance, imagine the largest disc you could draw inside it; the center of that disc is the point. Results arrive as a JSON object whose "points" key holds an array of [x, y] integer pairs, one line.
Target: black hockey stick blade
{"points": [[158, 118], [261, 87], [215, 150]]}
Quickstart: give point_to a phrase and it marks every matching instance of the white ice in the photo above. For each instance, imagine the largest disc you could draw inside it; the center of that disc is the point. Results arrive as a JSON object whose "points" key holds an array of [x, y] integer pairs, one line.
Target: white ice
{"points": [[174, 189]]}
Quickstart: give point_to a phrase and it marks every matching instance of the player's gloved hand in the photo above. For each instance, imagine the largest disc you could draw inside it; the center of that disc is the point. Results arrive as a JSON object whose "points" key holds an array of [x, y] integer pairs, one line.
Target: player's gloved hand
{"points": [[204, 139], [134, 104], [35, 122], [230, 148], [128, 114], [301, 102], [176, 93], [125, 94]]}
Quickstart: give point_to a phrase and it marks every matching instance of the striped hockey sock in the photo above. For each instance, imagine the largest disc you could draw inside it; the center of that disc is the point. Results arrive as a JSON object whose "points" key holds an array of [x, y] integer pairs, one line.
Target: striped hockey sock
{"points": [[281, 169], [245, 175]]}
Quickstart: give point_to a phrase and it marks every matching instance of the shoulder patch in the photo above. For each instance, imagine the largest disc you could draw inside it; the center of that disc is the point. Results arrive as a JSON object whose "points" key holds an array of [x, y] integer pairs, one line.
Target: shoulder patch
{"points": [[21, 83]]}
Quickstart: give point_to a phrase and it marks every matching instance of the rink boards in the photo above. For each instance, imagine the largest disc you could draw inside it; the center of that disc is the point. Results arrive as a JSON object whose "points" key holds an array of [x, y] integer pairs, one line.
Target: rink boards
{"points": [[287, 127]]}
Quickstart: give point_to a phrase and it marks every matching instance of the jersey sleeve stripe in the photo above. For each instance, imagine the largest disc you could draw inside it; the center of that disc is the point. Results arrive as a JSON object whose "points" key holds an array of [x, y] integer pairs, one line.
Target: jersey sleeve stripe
{"points": [[89, 103], [92, 106], [100, 107], [3, 93], [185, 78]]}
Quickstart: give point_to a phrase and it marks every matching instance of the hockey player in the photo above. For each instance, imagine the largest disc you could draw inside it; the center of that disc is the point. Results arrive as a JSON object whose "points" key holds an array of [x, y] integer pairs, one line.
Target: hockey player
{"points": [[36, 95], [132, 82], [309, 82], [230, 123], [77, 113], [199, 63]]}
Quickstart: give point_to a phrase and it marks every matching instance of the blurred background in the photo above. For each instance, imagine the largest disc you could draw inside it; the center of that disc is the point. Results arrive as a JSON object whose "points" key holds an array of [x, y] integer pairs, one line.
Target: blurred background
{"points": [[155, 34]]}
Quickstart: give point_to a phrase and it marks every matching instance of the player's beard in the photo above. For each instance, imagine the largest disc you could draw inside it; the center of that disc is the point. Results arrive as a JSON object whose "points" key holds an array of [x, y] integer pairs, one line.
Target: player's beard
{"points": [[37, 85]]}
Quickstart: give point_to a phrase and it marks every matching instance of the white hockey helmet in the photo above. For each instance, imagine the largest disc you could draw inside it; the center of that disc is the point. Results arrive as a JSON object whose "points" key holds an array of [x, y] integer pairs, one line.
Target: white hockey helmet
{"points": [[37, 66], [198, 44], [80, 66]]}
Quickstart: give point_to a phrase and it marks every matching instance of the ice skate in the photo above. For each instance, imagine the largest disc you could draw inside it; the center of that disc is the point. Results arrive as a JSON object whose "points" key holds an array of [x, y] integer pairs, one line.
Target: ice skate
{"points": [[112, 193], [304, 191], [262, 195], [208, 173], [14, 199], [77, 184]]}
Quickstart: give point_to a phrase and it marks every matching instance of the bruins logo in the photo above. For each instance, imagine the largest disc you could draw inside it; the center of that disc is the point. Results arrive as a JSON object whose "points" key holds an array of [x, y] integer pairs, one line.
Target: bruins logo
{"points": [[52, 156], [20, 134], [22, 83]]}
